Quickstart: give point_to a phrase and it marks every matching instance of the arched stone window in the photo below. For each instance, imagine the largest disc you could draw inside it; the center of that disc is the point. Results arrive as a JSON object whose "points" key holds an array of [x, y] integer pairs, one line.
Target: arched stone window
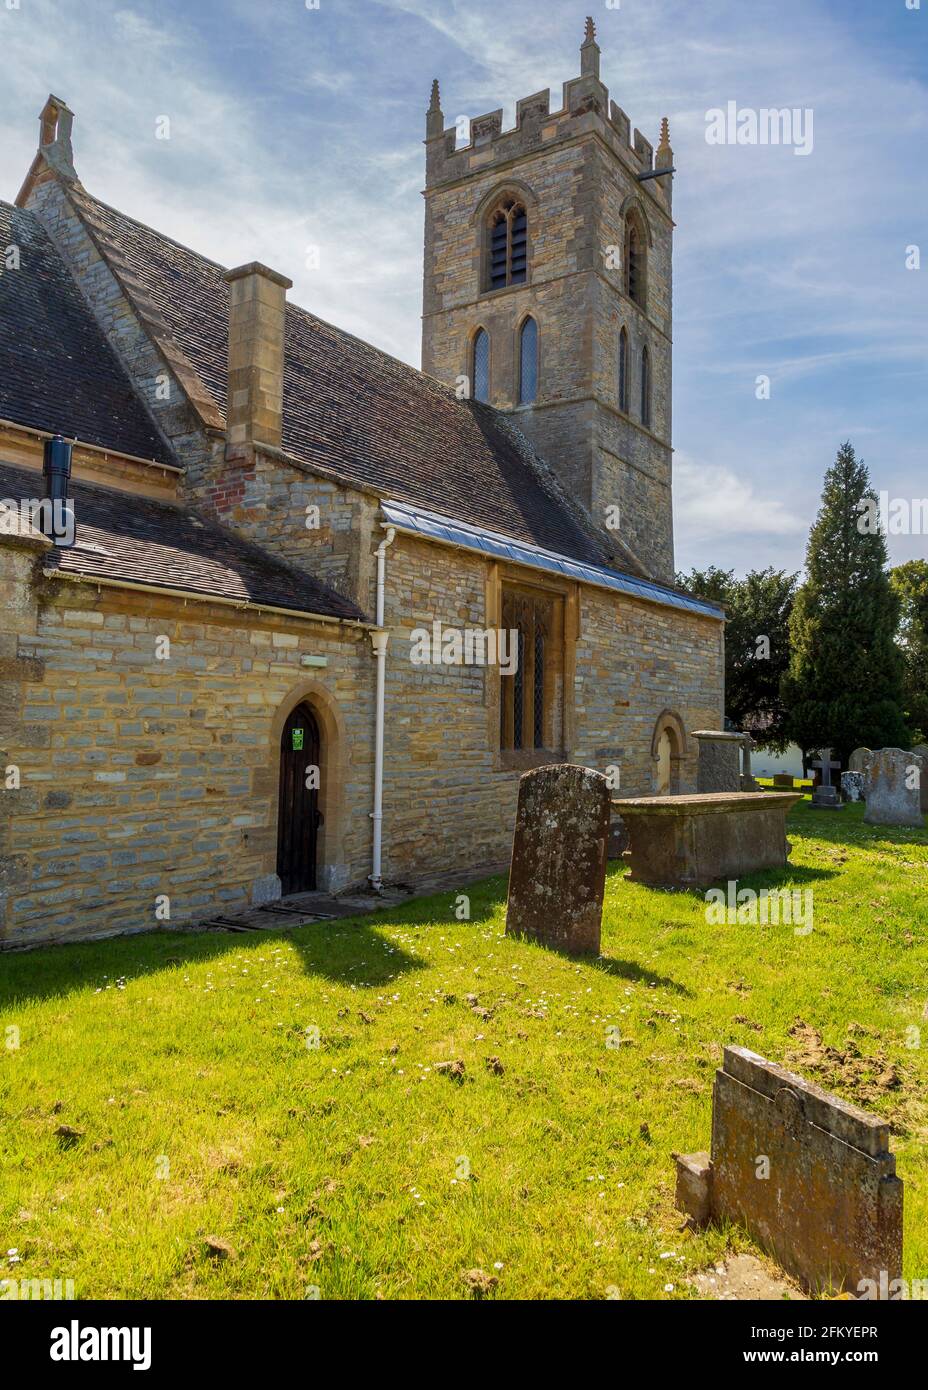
{"points": [[636, 259], [528, 362], [480, 365], [623, 371], [646, 388], [507, 245]]}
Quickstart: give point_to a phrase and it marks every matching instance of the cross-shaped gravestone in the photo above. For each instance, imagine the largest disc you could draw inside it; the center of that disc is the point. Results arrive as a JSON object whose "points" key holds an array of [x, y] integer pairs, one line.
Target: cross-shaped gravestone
{"points": [[825, 796], [826, 764]]}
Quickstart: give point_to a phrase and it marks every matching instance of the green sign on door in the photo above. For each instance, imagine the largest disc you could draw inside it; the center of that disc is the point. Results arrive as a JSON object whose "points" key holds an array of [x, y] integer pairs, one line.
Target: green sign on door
{"points": [[297, 740]]}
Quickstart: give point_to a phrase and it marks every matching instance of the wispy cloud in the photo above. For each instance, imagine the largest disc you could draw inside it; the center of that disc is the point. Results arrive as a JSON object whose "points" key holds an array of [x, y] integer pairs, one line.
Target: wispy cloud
{"points": [[293, 128]]}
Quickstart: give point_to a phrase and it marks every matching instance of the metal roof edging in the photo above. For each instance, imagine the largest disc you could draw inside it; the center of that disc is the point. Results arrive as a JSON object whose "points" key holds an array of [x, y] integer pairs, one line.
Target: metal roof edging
{"points": [[534, 557]]}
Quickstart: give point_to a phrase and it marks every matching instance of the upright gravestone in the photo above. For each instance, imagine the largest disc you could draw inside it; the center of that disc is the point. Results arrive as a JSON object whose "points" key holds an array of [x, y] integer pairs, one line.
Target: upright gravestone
{"points": [[825, 796], [921, 751], [857, 762], [558, 871], [852, 784], [748, 784], [719, 768], [893, 788]]}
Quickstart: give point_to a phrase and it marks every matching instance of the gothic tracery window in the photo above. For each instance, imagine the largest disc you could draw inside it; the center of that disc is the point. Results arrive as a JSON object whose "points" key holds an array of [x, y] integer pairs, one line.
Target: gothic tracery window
{"points": [[527, 697], [507, 245]]}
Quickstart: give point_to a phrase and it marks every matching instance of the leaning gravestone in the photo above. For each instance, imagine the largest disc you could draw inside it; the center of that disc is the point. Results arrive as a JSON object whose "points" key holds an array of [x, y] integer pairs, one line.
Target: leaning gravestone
{"points": [[558, 871], [808, 1175], [893, 788], [857, 762]]}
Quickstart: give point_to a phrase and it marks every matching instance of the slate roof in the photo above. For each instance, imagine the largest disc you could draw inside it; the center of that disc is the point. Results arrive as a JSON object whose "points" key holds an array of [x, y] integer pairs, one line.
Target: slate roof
{"points": [[349, 407], [136, 540], [57, 370]]}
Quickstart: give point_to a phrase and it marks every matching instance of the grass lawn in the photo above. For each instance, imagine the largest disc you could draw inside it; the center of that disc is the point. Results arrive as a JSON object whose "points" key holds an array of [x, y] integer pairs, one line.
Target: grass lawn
{"points": [[183, 1062]]}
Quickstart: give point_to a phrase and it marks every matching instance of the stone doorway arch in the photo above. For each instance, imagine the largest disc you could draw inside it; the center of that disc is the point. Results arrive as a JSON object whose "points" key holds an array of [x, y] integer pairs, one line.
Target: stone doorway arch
{"points": [[328, 809], [668, 751]]}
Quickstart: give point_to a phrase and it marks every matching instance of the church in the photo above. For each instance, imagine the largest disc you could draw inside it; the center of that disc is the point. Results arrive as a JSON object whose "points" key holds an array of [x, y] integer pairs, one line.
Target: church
{"points": [[225, 526]]}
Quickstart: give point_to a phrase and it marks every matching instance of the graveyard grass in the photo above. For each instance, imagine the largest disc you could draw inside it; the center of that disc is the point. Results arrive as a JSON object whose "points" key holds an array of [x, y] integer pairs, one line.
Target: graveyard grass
{"points": [[202, 1114]]}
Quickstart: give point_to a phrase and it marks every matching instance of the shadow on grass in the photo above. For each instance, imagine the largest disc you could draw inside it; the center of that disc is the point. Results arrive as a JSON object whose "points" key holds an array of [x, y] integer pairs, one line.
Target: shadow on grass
{"points": [[639, 974], [349, 950], [847, 827]]}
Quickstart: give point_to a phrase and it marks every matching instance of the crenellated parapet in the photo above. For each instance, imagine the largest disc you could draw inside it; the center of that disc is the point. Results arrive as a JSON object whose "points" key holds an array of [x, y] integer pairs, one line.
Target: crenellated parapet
{"points": [[585, 108]]}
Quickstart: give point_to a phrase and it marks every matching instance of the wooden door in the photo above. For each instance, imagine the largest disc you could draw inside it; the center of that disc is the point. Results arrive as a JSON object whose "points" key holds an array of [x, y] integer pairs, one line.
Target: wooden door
{"points": [[298, 815]]}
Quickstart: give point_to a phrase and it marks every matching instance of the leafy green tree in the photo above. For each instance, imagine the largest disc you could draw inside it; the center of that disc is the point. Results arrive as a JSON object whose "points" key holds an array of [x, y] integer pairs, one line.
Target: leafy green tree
{"points": [[844, 683], [910, 583], [756, 645]]}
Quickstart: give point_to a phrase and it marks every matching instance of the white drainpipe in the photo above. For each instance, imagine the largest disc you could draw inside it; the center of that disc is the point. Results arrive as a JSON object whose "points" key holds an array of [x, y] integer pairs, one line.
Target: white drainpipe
{"points": [[379, 639]]}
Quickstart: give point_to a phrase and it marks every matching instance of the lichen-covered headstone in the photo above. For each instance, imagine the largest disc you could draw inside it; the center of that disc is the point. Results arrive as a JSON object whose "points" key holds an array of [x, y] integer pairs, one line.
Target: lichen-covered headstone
{"points": [[893, 788], [852, 784], [558, 871]]}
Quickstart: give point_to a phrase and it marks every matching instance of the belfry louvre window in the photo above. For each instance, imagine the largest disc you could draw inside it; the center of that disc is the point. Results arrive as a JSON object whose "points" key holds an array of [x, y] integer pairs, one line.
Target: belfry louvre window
{"points": [[481, 365], [529, 707], [634, 264], [528, 362], [508, 246]]}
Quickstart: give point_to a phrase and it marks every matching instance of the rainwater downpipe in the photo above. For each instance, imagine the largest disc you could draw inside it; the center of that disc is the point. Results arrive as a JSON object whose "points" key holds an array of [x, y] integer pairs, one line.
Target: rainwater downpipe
{"points": [[379, 639]]}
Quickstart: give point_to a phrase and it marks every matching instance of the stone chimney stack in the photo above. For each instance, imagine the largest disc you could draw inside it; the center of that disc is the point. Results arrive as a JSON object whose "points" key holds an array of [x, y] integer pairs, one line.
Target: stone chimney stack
{"points": [[257, 314]]}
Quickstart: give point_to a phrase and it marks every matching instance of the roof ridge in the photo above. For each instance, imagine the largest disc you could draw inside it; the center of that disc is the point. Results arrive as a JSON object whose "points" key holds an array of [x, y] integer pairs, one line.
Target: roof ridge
{"points": [[200, 398]]}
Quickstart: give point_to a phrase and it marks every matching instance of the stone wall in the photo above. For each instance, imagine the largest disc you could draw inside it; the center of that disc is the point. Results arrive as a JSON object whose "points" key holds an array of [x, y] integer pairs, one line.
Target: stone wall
{"points": [[143, 777], [298, 515], [633, 662]]}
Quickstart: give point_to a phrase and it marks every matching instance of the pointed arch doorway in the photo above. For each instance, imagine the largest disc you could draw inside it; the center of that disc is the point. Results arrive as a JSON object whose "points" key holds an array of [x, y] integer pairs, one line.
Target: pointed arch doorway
{"points": [[298, 814]]}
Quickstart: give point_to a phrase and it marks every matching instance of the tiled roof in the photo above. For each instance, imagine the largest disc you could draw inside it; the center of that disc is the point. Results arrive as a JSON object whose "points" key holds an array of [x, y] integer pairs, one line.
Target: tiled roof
{"points": [[57, 370], [349, 407], [135, 540]]}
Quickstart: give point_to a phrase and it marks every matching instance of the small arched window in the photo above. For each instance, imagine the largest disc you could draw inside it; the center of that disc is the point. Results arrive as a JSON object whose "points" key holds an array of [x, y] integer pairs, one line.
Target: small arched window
{"points": [[480, 374], [508, 245], [646, 388], [623, 371], [634, 261], [528, 362]]}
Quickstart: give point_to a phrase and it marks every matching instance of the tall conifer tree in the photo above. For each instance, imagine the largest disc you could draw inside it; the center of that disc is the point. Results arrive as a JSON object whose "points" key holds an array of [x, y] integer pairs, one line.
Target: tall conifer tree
{"points": [[843, 687]]}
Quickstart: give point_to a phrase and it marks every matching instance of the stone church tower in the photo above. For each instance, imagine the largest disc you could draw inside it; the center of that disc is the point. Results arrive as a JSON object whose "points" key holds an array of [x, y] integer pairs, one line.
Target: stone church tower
{"points": [[547, 293]]}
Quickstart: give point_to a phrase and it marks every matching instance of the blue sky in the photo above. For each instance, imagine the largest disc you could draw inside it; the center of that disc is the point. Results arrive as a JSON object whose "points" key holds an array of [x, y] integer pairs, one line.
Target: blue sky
{"points": [[292, 127]]}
